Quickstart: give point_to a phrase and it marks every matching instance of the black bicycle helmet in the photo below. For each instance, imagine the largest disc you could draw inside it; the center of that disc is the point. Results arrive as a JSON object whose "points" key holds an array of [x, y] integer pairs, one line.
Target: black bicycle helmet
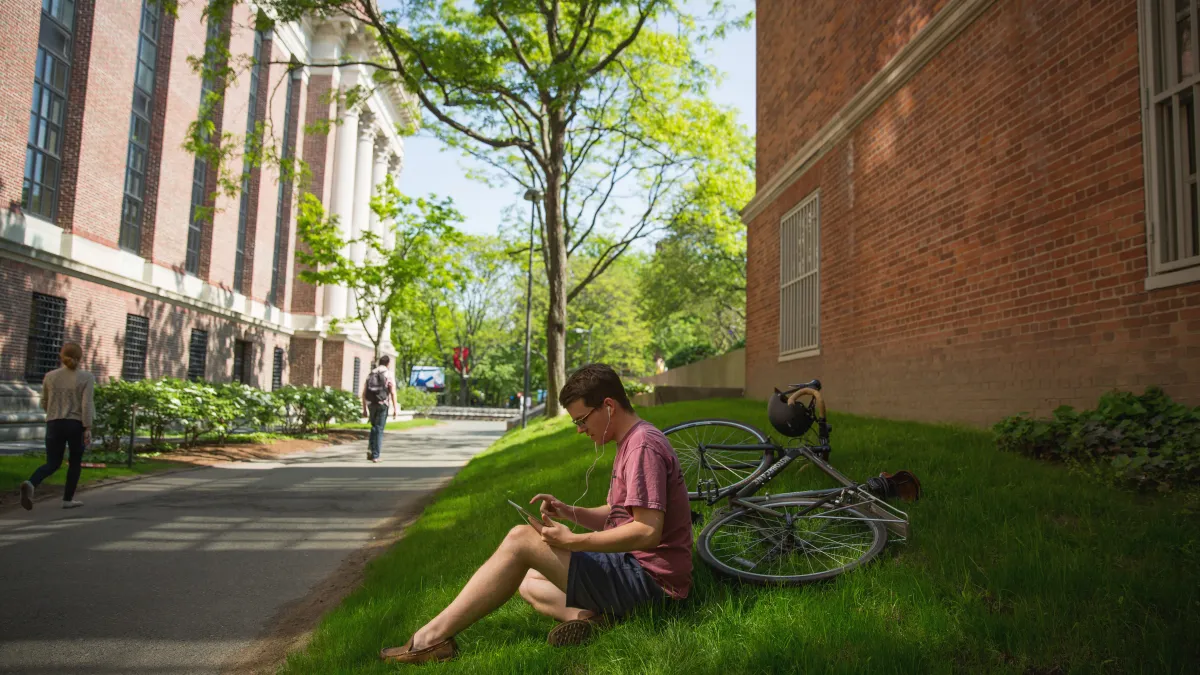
{"points": [[790, 420]]}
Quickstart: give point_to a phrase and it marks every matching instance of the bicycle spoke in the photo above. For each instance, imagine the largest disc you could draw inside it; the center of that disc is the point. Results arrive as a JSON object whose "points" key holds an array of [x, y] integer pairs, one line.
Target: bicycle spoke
{"points": [[724, 467], [815, 544]]}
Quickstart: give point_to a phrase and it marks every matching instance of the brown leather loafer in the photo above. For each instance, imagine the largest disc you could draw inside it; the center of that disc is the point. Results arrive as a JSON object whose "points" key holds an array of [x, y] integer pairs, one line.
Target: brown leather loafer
{"points": [[576, 631], [442, 651]]}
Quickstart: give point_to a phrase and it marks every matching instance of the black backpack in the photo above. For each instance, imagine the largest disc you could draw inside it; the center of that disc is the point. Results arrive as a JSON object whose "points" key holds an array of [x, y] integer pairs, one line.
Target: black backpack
{"points": [[377, 387]]}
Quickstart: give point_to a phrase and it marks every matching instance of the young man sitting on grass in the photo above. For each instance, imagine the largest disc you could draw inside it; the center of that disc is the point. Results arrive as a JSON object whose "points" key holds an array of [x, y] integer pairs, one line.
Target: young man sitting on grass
{"points": [[639, 549]]}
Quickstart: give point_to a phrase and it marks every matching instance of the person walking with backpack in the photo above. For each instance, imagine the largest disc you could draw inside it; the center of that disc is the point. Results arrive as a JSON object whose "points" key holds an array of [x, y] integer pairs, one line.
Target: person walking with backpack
{"points": [[67, 399], [379, 390]]}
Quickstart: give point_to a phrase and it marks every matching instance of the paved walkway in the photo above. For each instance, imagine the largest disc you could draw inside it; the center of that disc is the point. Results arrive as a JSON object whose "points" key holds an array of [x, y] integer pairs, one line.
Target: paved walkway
{"points": [[177, 574]]}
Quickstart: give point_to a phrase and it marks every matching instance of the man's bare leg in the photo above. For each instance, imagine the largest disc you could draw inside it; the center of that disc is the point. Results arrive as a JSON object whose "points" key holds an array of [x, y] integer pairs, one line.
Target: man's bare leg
{"points": [[495, 582], [549, 599]]}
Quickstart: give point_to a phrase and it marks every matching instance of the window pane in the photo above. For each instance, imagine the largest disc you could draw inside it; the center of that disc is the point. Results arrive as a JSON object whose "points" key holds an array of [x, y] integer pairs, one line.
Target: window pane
{"points": [[145, 78], [52, 139], [1188, 112], [149, 53], [1183, 51], [58, 76], [1168, 178]]}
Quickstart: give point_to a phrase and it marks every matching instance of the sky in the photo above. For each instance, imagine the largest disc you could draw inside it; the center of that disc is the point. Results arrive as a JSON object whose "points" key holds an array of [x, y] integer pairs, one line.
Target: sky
{"points": [[430, 167]]}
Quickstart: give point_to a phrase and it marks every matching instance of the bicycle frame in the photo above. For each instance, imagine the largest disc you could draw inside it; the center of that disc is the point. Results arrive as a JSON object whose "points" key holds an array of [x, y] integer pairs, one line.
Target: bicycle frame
{"points": [[849, 495]]}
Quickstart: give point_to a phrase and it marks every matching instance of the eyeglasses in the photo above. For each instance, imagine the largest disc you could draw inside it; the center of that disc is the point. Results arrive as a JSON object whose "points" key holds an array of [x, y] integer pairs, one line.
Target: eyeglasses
{"points": [[583, 420]]}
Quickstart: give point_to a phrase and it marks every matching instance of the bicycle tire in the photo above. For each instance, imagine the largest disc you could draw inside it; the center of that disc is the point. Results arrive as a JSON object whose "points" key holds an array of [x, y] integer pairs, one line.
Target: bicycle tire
{"points": [[725, 547], [737, 471]]}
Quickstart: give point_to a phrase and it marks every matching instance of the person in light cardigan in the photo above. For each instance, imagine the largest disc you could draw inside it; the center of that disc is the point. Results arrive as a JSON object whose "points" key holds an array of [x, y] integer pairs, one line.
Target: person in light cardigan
{"points": [[67, 399]]}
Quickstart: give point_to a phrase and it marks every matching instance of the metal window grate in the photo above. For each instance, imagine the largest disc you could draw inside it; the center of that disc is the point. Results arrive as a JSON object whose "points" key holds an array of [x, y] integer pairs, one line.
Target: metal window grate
{"points": [[47, 115], [47, 322], [800, 278], [1172, 65], [357, 373], [137, 335], [197, 354], [138, 153], [277, 370]]}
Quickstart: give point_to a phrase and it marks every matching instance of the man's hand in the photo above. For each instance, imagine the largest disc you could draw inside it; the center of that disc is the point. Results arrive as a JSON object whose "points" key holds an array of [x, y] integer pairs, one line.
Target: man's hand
{"points": [[557, 535], [551, 506], [365, 412], [87, 437]]}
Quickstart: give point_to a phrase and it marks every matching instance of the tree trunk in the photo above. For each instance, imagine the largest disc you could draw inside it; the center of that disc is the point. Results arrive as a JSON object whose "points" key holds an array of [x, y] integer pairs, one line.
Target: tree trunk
{"points": [[556, 258]]}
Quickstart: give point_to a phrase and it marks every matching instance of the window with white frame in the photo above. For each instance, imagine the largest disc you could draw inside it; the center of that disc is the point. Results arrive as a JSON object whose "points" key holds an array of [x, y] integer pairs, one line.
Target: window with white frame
{"points": [[1171, 82], [800, 279]]}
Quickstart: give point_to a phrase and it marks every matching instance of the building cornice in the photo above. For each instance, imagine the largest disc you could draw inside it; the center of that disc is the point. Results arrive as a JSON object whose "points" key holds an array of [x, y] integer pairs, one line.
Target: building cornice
{"points": [[941, 30]]}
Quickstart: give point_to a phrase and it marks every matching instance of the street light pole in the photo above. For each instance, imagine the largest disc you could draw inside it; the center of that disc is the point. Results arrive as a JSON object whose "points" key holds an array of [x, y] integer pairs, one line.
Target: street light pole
{"points": [[532, 196]]}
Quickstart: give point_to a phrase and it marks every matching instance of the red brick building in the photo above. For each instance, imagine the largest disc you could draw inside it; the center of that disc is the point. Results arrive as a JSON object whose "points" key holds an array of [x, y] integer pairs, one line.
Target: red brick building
{"points": [[972, 208], [103, 240]]}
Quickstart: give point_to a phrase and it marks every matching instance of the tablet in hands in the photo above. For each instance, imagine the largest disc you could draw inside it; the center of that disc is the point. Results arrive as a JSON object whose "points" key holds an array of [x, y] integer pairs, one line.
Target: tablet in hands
{"points": [[534, 521]]}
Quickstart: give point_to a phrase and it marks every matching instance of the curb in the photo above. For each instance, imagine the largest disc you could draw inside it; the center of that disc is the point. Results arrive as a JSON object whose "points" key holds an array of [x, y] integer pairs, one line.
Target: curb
{"points": [[103, 482]]}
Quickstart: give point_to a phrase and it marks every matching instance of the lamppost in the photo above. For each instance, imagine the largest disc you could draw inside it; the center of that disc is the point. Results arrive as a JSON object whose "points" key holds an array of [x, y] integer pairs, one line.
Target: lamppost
{"points": [[532, 196], [581, 331]]}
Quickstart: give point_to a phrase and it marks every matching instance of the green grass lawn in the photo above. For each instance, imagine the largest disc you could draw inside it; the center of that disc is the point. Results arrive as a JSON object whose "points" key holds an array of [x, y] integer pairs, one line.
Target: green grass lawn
{"points": [[1014, 566], [15, 470], [391, 426]]}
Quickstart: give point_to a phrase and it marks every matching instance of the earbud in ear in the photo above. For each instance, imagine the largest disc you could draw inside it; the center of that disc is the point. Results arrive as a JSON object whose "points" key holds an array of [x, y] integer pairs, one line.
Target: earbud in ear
{"points": [[609, 411]]}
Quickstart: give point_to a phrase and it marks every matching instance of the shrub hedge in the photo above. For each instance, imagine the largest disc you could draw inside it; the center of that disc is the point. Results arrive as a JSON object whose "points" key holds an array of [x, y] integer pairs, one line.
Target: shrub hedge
{"points": [[1146, 441], [196, 408]]}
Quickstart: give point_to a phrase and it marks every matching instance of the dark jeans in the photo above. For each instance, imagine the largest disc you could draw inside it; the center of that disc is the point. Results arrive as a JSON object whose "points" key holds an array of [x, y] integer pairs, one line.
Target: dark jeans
{"points": [[378, 417], [60, 434]]}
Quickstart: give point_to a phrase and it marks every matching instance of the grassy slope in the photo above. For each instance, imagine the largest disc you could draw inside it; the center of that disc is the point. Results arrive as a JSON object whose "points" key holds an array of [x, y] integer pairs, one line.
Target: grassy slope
{"points": [[1014, 567]]}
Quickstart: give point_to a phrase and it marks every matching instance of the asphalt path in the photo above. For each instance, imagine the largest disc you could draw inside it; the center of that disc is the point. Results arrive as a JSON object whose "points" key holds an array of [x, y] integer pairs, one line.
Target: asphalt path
{"points": [[180, 573]]}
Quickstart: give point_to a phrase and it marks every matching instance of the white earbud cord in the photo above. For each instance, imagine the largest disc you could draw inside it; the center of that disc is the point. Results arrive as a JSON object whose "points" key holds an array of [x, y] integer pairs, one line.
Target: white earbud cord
{"points": [[599, 453]]}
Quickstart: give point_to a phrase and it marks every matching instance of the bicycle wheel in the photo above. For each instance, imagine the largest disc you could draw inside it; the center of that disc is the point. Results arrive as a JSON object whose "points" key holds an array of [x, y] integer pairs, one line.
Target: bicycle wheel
{"points": [[794, 549], [726, 467]]}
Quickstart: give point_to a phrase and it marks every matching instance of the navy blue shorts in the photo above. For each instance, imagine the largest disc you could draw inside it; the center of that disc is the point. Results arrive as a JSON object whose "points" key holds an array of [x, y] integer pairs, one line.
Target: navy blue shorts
{"points": [[609, 583]]}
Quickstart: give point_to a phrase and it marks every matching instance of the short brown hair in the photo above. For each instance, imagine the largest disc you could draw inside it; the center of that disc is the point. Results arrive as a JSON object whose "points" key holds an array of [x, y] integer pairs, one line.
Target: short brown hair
{"points": [[593, 383], [71, 355]]}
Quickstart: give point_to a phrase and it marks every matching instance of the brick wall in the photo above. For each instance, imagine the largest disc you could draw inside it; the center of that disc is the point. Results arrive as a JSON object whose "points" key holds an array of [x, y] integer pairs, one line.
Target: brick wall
{"points": [[21, 19], [96, 316], [983, 231], [181, 106], [318, 154], [76, 104], [105, 138], [305, 359], [333, 365], [814, 56], [237, 98]]}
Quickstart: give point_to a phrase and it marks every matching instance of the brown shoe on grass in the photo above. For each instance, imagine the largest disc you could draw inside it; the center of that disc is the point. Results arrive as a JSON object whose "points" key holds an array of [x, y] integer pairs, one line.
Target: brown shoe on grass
{"points": [[442, 651], [576, 631]]}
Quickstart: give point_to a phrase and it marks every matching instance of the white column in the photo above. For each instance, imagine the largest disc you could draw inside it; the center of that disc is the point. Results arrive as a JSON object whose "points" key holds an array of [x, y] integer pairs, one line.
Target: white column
{"points": [[362, 193], [343, 198], [395, 163], [378, 173]]}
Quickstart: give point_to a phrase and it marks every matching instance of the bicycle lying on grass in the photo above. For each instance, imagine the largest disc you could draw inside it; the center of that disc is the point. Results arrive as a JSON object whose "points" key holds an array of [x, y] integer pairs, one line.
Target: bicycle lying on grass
{"points": [[793, 537]]}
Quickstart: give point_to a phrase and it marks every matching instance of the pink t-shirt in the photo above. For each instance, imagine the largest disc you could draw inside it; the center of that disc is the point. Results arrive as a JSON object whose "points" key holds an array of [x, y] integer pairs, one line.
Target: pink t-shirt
{"points": [[646, 474]]}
